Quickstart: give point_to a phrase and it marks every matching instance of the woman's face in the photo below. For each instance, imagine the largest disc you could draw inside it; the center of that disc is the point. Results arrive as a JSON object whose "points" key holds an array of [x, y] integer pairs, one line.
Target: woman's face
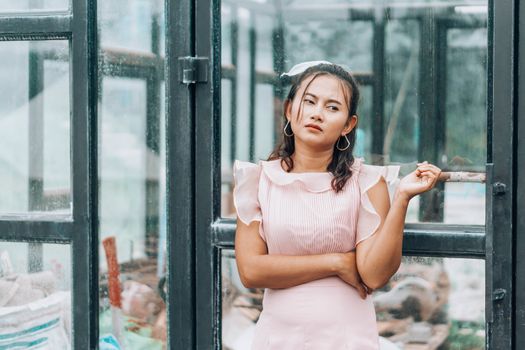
{"points": [[324, 115]]}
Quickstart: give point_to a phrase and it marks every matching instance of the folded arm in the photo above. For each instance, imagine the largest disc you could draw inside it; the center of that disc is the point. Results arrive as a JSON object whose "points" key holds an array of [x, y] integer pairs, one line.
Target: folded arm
{"points": [[379, 256], [258, 269]]}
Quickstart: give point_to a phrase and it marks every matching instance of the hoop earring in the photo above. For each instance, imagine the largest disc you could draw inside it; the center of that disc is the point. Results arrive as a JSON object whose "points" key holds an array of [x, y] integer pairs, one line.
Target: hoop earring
{"points": [[284, 130], [347, 144]]}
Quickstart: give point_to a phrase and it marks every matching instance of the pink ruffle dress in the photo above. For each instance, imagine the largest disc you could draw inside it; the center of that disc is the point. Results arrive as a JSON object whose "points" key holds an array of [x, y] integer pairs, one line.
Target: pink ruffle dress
{"points": [[300, 214]]}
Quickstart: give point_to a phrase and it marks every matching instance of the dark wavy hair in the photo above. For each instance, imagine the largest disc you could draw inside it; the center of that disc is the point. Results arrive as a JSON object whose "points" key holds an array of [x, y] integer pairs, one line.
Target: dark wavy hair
{"points": [[341, 160]]}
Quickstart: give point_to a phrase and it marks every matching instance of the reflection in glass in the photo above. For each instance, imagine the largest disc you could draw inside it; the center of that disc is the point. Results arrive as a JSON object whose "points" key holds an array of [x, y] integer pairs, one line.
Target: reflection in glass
{"points": [[35, 169], [35, 295], [429, 302], [338, 41], [132, 174], [423, 77]]}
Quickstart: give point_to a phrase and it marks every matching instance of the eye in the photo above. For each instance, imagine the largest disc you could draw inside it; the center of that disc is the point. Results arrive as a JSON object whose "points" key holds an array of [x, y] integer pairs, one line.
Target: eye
{"points": [[333, 108], [309, 101]]}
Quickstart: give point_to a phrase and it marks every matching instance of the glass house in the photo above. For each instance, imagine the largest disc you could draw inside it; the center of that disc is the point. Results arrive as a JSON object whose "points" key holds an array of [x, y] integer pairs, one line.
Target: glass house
{"points": [[120, 122]]}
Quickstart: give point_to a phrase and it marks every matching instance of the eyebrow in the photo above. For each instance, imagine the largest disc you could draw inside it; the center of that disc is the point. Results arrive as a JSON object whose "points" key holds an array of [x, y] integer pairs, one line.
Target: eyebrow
{"points": [[330, 100]]}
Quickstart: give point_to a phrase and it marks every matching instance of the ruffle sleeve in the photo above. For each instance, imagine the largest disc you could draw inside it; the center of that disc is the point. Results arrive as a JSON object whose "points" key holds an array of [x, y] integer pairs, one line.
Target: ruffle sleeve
{"points": [[368, 219], [246, 177]]}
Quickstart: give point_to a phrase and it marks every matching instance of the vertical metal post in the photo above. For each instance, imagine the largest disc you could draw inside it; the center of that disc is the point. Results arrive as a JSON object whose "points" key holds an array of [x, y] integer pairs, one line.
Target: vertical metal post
{"points": [[155, 29], [253, 85], [500, 184], [431, 132], [152, 205], [180, 177], [84, 72], [233, 91], [35, 191], [208, 173], [278, 67], [378, 89], [36, 127], [92, 207], [519, 287]]}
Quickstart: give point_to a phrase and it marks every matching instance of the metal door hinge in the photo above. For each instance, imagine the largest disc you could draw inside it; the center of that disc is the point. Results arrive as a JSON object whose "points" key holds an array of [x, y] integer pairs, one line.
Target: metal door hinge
{"points": [[193, 70], [499, 188], [499, 294]]}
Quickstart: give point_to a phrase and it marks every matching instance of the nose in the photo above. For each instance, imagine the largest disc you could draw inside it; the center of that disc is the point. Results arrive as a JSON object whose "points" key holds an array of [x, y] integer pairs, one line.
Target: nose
{"points": [[317, 112]]}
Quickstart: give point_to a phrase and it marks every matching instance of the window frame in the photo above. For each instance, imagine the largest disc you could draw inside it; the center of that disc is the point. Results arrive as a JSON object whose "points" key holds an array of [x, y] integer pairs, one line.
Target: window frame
{"points": [[78, 27]]}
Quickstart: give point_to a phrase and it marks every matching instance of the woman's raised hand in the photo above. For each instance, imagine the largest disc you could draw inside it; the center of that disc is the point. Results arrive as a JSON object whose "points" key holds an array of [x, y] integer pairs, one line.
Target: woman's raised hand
{"points": [[347, 271], [420, 180]]}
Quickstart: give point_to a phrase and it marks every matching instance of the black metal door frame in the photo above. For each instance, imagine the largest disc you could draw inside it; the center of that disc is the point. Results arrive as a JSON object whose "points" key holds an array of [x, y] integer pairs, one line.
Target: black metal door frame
{"points": [[494, 242], [207, 171], [500, 197], [180, 177], [519, 187]]}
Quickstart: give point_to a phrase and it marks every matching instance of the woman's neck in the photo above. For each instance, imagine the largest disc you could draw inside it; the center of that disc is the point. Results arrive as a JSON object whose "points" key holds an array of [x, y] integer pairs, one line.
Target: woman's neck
{"points": [[311, 162]]}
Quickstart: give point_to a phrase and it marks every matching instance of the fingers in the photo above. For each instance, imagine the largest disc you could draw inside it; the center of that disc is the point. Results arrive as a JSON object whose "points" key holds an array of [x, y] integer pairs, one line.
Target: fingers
{"points": [[427, 166], [430, 167], [431, 170], [361, 290], [428, 178], [429, 173]]}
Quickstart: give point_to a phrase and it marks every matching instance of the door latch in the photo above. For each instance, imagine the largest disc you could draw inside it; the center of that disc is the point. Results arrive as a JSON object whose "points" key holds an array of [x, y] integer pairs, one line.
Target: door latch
{"points": [[499, 294], [193, 70]]}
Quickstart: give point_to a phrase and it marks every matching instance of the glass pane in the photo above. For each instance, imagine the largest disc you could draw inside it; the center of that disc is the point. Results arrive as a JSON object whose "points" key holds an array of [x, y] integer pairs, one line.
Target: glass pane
{"points": [[227, 30], [264, 138], [338, 41], [415, 105], [401, 77], [132, 157], [241, 307], [429, 303], [35, 171], [134, 25], [35, 296], [33, 5], [434, 302], [264, 42], [226, 145], [363, 143], [466, 115]]}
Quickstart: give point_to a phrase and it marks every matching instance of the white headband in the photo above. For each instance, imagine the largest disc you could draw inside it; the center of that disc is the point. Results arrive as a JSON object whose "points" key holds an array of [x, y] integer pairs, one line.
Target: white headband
{"points": [[299, 68]]}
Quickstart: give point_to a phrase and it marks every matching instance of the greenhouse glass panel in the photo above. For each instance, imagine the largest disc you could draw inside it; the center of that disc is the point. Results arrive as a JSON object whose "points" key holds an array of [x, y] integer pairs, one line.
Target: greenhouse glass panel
{"points": [[132, 172], [422, 71], [35, 124], [428, 303]]}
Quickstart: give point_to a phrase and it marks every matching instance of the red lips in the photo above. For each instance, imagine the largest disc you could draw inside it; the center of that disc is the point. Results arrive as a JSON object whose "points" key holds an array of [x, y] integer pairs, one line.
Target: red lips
{"points": [[314, 126]]}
